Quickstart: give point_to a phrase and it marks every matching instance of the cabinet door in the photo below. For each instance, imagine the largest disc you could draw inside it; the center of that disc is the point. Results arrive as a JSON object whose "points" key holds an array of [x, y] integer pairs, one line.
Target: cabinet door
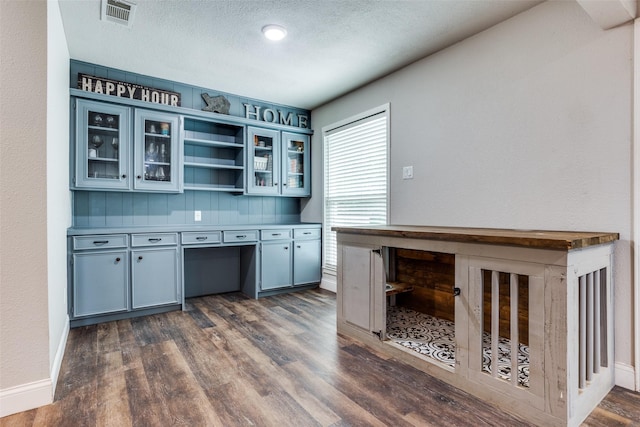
{"points": [[100, 283], [275, 265], [155, 277], [361, 293], [102, 146], [263, 161], [306, 262], [296, 177], [157, 152]]}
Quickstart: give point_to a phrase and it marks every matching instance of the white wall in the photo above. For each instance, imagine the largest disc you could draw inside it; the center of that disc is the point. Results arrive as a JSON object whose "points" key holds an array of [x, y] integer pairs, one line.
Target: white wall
{"points": [[58, 194], [526, 125], [24, 334], [32, 292]]}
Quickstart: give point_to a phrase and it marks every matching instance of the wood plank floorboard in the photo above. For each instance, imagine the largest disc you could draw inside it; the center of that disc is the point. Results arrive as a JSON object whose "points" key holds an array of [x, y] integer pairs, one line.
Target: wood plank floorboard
{"points": [[228, 360]]}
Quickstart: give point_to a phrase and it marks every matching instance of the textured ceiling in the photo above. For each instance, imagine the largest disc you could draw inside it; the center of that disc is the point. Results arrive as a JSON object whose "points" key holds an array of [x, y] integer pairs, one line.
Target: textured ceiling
{"points": [[332, 47]]}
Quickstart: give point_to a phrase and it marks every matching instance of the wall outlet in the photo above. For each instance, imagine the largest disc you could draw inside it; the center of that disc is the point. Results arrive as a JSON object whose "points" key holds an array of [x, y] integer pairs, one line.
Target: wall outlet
{"points": [[197, 215], [407, 172]]}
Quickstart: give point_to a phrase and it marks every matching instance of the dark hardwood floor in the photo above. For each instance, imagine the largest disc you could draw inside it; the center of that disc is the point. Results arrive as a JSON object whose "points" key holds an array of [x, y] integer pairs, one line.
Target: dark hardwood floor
{"points": [[277, 361]]}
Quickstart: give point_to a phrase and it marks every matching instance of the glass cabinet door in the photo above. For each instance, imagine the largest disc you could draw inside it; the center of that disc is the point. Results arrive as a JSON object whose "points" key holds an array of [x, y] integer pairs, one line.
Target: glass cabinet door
{"points": [[156, 152], [295, 164], [102, 141], [263, 162]]}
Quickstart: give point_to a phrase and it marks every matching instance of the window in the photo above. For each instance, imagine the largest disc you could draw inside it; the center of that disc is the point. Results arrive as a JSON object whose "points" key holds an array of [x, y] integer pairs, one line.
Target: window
{"points": [[355, 176]]}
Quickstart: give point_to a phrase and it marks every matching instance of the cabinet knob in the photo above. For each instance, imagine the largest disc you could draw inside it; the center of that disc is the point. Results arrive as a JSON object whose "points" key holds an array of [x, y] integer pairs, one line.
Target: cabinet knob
{"points": [[124, 175], [140, 258], [275, 183], [118, 259], [298, 246], [286, 248]]}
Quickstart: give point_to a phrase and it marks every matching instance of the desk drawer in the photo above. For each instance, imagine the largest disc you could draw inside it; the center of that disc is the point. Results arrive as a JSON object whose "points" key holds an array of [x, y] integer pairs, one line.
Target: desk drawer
{"points": [[275, 234], [104, 241], [306, 233], [154, 239], [194, 237], [240, 236]]}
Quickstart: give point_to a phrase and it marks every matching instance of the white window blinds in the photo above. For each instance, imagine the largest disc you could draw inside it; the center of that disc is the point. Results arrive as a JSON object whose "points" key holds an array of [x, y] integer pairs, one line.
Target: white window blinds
{"points": [[355, 178]]}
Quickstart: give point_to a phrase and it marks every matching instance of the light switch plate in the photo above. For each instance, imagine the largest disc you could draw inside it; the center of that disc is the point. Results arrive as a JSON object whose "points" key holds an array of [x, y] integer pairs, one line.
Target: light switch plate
{"points": [[197, 215], [407, 172]]}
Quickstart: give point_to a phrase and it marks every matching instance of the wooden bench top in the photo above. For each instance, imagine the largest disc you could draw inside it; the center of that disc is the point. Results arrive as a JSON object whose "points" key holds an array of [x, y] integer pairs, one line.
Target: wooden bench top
{"points": [[539, 239]]}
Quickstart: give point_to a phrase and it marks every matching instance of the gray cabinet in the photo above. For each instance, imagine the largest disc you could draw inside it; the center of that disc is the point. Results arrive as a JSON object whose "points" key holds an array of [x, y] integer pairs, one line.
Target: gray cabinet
{"points": [[278, 163], [154, 275], [157, 153], [110, 155], [102, 146], [114, 275], [263, 163], [100, 275], [276, 262], [306, 262], [296, 161], [289, 258]]}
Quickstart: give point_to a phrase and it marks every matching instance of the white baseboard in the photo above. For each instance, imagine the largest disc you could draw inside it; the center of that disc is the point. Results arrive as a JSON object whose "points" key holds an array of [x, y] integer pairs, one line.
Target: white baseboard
{"points": [[329, 283], [25, 397], [57, 361], [625, 376]]}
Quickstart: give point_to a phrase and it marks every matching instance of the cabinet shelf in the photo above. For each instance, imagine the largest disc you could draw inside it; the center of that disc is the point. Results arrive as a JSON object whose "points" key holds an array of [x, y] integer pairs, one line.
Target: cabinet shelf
{"points": [[102, 159], [206, 187], [212, 143], [213, 156], [157, 135], [212, 166], [103, 129]]}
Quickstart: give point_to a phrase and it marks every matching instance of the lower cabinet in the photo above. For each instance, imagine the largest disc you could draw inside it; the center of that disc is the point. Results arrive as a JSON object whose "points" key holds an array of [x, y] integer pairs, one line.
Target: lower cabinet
{"points": [[101, 283], [306, 262], [290, 258], [276, 265], [114, 276], [154, 274]]}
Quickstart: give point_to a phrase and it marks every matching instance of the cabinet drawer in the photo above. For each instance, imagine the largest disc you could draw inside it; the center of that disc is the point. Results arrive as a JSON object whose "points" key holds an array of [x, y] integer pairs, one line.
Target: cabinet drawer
{"points": [[154, 239], [192, 238], [306, 233], [275, 234], [100, 241], [240, 236]]}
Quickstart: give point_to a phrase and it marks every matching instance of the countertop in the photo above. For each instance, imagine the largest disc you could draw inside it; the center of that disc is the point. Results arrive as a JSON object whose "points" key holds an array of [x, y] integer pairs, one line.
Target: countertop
{"points": [[82, 231], [539, 239]]}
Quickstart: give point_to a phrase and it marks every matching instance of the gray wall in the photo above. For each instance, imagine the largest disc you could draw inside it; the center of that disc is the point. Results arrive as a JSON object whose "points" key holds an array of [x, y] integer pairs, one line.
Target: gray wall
{"points": [[526, 125]]}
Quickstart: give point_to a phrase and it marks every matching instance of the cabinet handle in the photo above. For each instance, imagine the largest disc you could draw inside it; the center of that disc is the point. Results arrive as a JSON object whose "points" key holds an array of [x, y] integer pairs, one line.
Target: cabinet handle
{"points": [[201, 238], [118, 259], [140, 258], [100, 242], [284, 185], [298, 246], [241, 236], [276, 234], [306, 232], [154, 240]]}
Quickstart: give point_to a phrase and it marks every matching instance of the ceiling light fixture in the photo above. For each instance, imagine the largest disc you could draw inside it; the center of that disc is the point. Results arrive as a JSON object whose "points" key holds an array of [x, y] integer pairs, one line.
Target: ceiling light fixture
{"points": [[274, 32]]}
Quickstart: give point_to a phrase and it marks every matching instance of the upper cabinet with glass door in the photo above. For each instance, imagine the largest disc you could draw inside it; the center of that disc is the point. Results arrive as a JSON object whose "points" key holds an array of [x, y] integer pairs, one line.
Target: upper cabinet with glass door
{"points": [[102, 146], [295, 165], [263, 165], [157, 155]]}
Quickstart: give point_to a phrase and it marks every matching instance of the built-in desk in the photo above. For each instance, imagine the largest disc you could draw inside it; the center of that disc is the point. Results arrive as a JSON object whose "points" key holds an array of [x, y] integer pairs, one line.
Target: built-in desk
{"points": [[116, 273], [520, 318]]}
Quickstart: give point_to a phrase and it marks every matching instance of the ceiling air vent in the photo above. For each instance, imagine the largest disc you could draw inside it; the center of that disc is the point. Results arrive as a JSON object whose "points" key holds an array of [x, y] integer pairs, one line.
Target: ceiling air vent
{"points": [[118, 11]]}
